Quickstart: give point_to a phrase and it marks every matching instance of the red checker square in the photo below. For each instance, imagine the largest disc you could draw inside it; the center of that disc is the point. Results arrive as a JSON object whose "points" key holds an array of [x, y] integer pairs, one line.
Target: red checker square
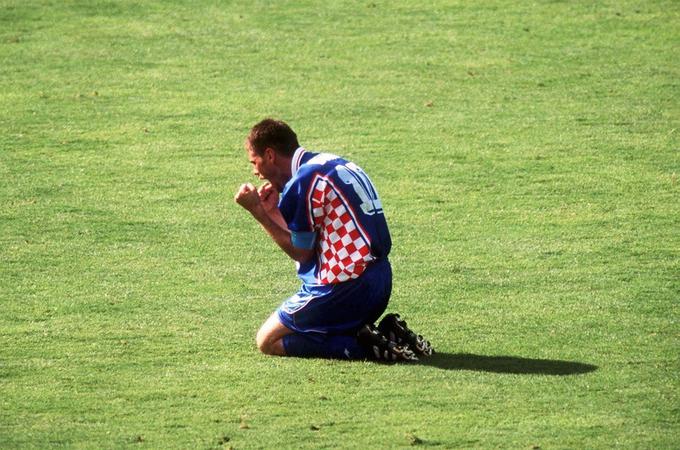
{"points": [[344, 215], [337, 246], [332, 215], [347, 260]]}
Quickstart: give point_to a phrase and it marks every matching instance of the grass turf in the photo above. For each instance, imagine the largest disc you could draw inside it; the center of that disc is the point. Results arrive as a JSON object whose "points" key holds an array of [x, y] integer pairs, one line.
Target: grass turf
{"points": [[527, 157]]}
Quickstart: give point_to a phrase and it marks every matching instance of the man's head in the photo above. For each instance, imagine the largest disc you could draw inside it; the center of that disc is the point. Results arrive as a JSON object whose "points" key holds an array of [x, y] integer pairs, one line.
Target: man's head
{"points": [[274, 134], [271, 145]]}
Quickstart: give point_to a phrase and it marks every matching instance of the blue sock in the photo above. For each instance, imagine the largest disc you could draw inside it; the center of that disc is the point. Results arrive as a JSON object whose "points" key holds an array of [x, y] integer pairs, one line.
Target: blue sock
{"points": [[333, 346]]}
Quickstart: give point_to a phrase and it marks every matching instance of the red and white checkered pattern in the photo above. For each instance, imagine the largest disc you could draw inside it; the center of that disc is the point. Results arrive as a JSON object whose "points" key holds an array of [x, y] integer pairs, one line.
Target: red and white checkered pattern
{"points": [[344, 250]]}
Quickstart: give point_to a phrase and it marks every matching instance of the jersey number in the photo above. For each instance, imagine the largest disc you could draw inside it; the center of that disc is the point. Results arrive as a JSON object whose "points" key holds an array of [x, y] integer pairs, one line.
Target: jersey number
{"points": [[353, 175]]}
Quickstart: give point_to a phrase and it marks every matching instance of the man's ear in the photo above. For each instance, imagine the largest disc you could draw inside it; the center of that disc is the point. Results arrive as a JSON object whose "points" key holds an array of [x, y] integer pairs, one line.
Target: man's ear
{"points": [[269, 154]]}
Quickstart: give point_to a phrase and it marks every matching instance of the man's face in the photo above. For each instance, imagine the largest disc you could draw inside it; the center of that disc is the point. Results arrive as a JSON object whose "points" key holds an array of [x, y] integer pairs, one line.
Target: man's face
{"points": [[264, 167]]}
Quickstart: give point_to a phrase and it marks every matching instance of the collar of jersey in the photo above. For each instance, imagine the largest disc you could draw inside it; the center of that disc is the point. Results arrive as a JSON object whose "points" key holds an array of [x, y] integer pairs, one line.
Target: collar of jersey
{"points": [[296, 162]]}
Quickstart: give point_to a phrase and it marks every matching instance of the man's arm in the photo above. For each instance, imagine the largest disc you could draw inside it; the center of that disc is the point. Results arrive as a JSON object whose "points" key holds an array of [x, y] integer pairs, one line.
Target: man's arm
{"points": [[269, 199], [272, 221]]}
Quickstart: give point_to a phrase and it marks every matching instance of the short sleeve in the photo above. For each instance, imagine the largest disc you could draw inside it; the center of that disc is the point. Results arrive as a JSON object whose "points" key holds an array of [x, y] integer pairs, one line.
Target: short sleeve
{"points": [[294, 207]]}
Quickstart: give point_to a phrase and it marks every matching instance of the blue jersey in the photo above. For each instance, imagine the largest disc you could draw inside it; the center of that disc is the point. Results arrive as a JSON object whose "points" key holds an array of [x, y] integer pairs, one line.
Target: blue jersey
{"points": [[331, 206]]}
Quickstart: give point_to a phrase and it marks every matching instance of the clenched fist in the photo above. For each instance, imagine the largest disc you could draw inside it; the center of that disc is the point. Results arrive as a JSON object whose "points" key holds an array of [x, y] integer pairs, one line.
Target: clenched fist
{"points": [[248, 197], [269, 197]]}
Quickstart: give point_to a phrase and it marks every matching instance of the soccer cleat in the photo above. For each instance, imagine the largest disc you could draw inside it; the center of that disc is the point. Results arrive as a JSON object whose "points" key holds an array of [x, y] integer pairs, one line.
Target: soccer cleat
{"points": [[381, 348], [395, 330]]}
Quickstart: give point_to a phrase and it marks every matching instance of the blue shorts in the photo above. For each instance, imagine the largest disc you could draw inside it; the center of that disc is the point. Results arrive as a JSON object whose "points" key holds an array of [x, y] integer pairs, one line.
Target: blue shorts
{"points": [[340, 308]]}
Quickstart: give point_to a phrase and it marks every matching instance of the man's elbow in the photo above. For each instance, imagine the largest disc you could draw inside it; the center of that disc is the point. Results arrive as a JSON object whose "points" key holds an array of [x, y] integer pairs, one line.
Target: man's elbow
{"points": [[303, 255]]}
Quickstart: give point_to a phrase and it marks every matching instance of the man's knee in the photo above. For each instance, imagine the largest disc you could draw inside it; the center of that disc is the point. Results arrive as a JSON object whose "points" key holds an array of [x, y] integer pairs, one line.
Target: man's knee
{"points": [[269, 338], [263, 342]]}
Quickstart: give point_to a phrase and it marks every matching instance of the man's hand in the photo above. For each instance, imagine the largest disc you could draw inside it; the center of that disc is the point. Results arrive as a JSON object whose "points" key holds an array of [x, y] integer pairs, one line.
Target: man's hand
{"points": [[248, 197], [269, 197]]}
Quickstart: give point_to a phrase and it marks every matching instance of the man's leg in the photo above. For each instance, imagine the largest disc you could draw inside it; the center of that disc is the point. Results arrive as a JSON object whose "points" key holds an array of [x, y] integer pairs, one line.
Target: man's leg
{"points": [[323, 321], [270, 336], [304, 345], [270, 340]]}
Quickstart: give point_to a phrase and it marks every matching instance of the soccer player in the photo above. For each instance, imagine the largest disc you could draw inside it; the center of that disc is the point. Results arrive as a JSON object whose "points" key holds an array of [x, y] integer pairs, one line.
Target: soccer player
{"points": [[325, 213]]}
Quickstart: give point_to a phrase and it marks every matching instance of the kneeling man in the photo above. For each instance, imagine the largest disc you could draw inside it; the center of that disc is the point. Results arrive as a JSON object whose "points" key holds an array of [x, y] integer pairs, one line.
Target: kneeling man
{"points": [[325, 213]]}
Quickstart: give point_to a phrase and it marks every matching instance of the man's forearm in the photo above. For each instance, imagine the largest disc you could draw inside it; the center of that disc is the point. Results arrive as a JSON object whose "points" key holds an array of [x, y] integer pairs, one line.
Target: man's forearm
{"points": [[276, 227], [276, 217]]}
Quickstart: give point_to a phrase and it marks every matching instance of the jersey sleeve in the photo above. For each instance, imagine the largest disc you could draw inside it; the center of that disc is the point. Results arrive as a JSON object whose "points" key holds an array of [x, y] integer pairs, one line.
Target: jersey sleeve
{"points": [[295, 209]]}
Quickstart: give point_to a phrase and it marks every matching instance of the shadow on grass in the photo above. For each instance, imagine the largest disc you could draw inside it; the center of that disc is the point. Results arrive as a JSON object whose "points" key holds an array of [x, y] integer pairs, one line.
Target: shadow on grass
{"points": [[505, 364]]}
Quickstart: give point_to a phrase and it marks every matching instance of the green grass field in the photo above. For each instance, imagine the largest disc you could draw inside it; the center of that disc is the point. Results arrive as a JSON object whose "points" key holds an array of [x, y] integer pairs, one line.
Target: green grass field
{"points": [[527, 155]]}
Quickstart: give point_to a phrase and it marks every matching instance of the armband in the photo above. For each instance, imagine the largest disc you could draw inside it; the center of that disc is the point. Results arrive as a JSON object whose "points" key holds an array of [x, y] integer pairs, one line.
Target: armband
{"points": [[303, 239]]}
